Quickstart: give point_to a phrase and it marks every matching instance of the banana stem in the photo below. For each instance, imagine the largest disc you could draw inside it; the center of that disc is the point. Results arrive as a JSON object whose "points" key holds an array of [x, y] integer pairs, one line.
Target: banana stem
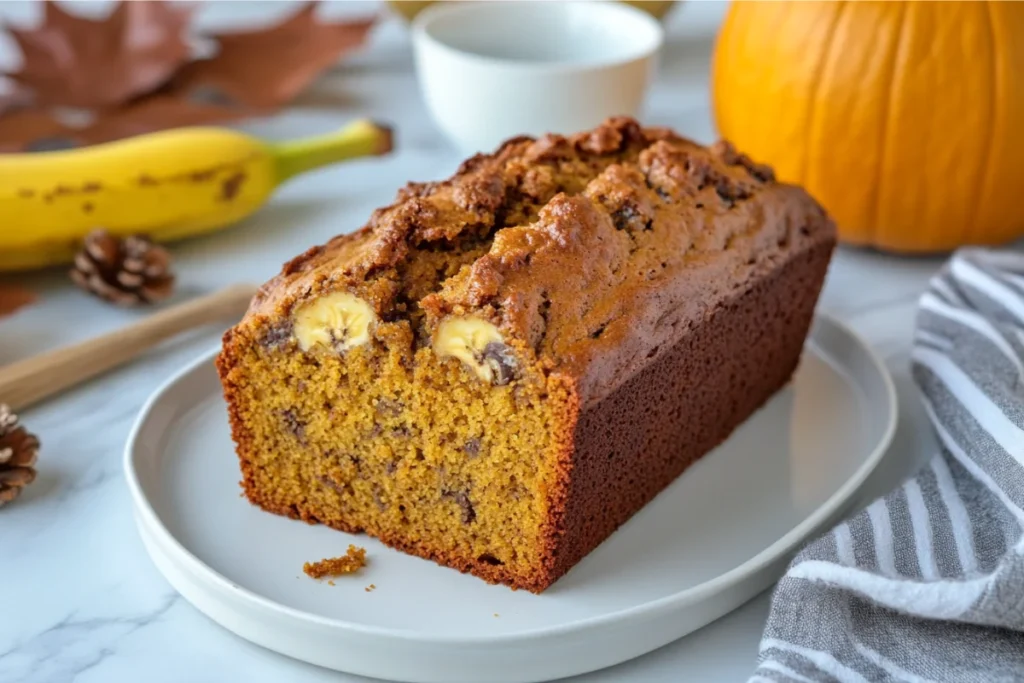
{"points": [[358, 139]]}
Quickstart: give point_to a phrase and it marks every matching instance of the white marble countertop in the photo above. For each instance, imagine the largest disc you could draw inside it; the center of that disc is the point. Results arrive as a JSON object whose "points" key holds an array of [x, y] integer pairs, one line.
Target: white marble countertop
{"points": [[81, 600]]}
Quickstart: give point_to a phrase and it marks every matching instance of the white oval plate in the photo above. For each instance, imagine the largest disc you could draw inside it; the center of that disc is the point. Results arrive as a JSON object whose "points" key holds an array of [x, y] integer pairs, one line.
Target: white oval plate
{"points": [[716, 537]]}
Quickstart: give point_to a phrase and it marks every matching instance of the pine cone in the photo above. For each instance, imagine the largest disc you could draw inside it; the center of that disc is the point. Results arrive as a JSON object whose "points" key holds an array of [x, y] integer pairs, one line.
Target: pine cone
{"points": [[127, 272], [18, 451]]}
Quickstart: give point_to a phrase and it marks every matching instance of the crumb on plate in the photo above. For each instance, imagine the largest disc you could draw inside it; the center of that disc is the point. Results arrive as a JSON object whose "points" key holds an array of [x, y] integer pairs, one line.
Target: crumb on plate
{"points": [[348, 563]]}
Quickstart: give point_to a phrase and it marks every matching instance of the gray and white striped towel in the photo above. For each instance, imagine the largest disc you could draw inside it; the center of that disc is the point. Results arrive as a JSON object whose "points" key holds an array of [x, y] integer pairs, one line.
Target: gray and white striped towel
{"points": [[927, 584]]}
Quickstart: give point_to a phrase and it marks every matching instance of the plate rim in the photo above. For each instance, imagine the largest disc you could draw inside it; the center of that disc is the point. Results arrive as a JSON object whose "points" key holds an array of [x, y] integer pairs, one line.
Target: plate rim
{"points": [[651, 609]]}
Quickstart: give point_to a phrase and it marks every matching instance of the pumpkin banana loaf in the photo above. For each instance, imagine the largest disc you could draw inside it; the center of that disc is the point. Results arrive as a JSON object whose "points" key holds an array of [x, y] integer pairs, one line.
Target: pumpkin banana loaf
{"points": [[499, 369]]}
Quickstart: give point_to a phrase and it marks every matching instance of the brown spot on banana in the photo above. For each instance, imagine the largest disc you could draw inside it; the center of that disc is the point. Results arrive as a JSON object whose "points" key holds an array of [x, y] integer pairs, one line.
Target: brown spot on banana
{"points": [[229, 188], [204, 175]]}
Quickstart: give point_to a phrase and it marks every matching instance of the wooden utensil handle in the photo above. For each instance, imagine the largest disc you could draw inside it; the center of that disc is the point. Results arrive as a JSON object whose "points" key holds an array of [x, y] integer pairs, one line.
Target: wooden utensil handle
{"points": [[33, 379]]}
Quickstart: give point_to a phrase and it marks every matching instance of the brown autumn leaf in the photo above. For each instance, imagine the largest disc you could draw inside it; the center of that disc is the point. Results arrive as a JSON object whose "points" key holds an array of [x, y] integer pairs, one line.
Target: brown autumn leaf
{"points": [[130, 78], [33, 130], [13, 98], [157, 112], [12, 298], [265, 68], [72, 61]]}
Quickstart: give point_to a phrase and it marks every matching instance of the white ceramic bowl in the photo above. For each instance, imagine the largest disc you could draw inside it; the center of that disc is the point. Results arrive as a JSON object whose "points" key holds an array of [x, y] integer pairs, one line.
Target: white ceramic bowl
{"points": [[492, 70]]}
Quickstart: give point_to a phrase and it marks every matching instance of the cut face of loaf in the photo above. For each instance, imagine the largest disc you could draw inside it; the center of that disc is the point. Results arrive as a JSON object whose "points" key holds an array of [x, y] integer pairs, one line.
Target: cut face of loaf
{"points": [[501, 368]]}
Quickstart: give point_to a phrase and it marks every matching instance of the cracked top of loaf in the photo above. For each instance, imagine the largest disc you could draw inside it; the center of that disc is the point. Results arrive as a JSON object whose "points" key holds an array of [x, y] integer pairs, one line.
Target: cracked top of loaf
{"points": [[589, 252]]}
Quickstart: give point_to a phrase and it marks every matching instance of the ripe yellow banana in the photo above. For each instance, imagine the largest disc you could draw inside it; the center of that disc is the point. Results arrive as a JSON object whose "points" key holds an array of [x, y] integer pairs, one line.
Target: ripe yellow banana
{"points": [[169, 185]]}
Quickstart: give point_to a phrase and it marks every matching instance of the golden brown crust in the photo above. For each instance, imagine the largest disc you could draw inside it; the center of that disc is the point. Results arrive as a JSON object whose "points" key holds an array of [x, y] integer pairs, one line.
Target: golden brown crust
{"points": [[587, 283], [585, 243], [600, 256]]}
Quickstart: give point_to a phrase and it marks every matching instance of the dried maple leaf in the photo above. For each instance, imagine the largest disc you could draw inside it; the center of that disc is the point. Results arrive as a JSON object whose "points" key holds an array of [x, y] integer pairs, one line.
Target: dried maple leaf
{"points": [[267, 67], [38, 130], [12, 298], [34, 130], [13, 98], [31, 130], [157, 112], [73, 61], [130, 74]]}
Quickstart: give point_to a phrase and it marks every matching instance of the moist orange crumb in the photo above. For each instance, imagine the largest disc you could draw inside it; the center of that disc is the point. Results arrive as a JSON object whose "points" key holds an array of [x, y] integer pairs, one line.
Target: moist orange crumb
{"points": [[350, 562]]}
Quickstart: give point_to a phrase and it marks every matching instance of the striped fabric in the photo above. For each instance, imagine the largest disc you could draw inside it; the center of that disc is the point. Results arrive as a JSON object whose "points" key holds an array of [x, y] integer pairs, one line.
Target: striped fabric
{"points": [[927, 584]]}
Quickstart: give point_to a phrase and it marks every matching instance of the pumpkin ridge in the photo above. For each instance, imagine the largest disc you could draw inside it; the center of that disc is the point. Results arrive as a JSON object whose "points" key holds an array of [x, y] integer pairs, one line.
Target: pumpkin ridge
{"points": [[779, 23], [986, 163], [887, 113], [812, 106], [722, 52]]}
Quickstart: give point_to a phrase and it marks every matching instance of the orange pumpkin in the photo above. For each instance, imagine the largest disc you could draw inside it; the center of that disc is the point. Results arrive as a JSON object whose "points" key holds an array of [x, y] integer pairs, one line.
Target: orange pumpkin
{"points": [[905, 119]]}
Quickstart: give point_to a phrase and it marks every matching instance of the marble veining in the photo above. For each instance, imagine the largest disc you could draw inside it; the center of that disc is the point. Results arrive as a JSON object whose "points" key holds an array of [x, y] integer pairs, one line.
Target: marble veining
{"points": [[81, 600], [76, 644]]}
